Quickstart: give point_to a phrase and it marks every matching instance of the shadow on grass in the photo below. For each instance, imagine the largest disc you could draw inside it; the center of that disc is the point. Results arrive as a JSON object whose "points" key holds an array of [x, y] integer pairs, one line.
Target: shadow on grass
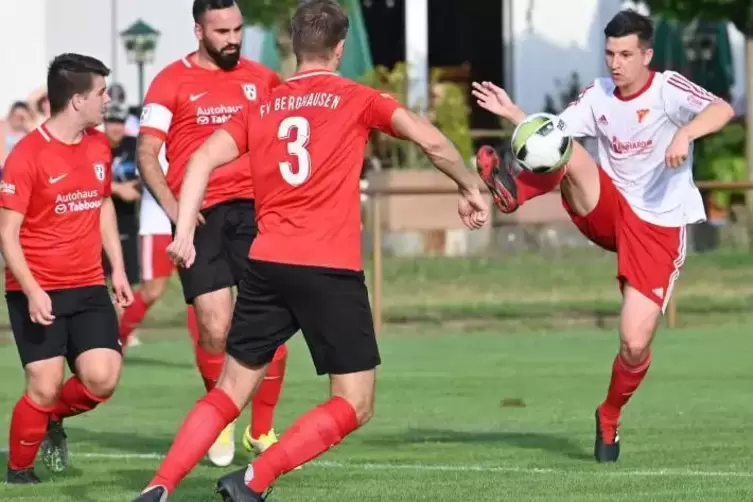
{"points": [[551, 443]]}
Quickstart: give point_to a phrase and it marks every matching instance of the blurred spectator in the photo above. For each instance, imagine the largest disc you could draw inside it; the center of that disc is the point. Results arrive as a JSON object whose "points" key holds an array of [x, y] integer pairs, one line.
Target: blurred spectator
{"points": [[118, 96], [126, 189], [14, 127]]}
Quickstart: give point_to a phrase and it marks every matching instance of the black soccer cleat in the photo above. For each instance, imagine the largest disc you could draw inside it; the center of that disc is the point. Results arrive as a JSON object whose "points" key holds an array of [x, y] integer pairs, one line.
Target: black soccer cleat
{"points": [[607, 443], [54, 449], [21, 477], [498, 178], [153, 494], [232, 488]]}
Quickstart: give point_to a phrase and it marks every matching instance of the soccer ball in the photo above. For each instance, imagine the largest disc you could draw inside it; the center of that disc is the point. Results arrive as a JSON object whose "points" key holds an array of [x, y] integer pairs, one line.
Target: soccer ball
{"points": [[540, 144]]}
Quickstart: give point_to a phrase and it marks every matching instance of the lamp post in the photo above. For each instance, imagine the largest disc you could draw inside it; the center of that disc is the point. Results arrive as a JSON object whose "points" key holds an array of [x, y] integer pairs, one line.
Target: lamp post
{"points": [[140, 42]]}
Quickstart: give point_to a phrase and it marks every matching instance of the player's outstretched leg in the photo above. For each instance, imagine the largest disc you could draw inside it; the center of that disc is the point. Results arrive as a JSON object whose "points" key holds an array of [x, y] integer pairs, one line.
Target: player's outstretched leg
{"points": [[579, 181], [97, 375], [639, 319], [322, 428], [260, 434], [510, 191]]}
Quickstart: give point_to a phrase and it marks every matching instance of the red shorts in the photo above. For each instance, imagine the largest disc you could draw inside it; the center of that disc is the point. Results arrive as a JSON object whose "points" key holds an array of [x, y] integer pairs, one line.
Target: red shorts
{"points": [[154, 261], [649, 257]]}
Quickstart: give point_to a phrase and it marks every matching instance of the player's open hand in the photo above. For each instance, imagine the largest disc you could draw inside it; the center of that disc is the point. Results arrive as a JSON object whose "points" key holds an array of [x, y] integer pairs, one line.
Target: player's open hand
{"points": [[121, 289], [493, 99], [678, 150], [182, 252], [40, 307], [473, 209]]}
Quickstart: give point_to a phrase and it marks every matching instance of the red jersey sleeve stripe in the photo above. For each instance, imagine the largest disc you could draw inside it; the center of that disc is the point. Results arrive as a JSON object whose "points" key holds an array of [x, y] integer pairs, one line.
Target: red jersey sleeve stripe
{"points": [[690, 88], [691, 92], [683, 80]]}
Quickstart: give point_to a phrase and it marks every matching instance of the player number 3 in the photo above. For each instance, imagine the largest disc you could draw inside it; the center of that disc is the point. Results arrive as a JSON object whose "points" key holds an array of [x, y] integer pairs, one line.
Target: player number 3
{"points": [[297, 148]]}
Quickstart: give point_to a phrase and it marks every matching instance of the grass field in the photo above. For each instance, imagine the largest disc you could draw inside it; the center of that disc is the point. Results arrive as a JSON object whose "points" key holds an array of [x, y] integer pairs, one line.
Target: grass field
{"points": [[441, 431]]}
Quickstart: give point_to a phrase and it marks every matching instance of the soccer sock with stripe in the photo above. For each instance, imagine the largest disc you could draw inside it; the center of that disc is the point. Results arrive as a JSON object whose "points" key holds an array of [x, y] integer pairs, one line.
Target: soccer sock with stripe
{"points": [[265, 401], [311, 435], [28, 426], [626, 378]]}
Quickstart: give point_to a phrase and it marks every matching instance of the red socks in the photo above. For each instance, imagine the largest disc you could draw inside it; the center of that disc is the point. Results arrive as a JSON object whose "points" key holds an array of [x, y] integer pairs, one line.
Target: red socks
{"points": [[266, 398], [311, 435], [210, 366], [532, 185], [200, 429], [75, 399], [132, 317], [625, 380], [28, 427]]}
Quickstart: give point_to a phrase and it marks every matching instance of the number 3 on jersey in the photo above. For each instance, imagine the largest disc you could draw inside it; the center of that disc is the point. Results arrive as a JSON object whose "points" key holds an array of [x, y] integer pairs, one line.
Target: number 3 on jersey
{"points": [[296, 148]]}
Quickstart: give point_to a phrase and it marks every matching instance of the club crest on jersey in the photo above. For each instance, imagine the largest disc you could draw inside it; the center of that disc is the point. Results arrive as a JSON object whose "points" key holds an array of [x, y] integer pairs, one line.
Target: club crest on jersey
{"points": [[99, 171], [641, 114], [250, 91]]}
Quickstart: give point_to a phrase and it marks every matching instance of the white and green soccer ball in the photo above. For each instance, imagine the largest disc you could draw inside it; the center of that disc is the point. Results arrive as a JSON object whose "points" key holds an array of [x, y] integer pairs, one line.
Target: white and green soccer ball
{"points": [[540, 143]]}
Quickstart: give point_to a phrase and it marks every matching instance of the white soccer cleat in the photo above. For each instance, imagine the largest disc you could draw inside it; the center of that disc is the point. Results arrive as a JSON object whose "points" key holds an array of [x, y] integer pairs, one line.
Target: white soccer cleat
{"points": [[222, 451]]}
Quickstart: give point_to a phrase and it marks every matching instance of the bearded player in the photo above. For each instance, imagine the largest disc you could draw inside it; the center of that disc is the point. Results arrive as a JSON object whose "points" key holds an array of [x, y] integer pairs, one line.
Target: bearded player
{"points": [[636, 201], [186, 102]]}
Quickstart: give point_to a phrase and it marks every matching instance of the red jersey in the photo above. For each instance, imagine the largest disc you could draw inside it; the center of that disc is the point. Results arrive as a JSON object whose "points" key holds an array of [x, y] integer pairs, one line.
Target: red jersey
{"points": [[307, 141], [59, 189], [186, 103]]}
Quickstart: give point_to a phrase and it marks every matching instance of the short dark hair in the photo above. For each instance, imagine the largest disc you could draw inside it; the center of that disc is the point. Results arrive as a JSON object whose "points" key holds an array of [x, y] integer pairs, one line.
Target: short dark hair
{"points": [[19, 105], [317, 27], [630, 22], [71, 74], [201, 7]]}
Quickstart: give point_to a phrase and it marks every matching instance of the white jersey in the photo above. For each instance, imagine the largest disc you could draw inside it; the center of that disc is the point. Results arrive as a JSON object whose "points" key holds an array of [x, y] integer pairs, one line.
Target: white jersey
{"points": [[633, 135], [152, 218]]}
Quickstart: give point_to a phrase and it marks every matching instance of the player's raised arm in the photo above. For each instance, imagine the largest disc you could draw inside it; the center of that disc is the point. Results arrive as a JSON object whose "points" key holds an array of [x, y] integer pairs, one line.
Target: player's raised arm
{"points": [[494, 99], [219, 149], [156, 118]]}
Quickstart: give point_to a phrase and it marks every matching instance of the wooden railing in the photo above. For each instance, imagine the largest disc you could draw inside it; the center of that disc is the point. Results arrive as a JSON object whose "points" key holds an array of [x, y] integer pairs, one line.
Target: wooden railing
{"points": [[377, 195]]}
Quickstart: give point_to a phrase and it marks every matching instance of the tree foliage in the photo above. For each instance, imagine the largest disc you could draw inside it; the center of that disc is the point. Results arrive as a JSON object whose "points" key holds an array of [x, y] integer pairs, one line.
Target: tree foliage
{"points": [[739, 12], [267, 13]]}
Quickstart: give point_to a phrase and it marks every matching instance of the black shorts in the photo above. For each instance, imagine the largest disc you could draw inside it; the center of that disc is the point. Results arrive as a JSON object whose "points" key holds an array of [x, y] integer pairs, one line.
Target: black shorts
{"points": [[130, 245], [222, 244], [330, 306], [85, 319]]}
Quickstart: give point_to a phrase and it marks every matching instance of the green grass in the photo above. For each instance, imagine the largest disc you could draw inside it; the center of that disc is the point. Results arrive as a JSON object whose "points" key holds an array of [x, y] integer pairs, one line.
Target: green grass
{"points": [[440, 432]]}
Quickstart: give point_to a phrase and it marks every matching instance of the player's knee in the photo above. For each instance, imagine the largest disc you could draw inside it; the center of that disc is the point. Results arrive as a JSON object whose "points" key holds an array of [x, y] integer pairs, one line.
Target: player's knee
{"points": [[362, 403], [634, 351], [101, 383], [44, 383], [101, 376]]}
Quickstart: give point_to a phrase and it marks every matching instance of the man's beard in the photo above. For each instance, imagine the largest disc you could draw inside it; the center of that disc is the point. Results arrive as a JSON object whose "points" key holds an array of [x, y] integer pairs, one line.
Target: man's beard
{"points": [[225, 60]]}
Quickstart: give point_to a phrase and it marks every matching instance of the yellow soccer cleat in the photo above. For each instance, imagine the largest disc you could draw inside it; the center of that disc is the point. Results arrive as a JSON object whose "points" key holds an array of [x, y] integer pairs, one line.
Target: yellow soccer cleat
{"points": [[260, 444], [223, 450]]}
